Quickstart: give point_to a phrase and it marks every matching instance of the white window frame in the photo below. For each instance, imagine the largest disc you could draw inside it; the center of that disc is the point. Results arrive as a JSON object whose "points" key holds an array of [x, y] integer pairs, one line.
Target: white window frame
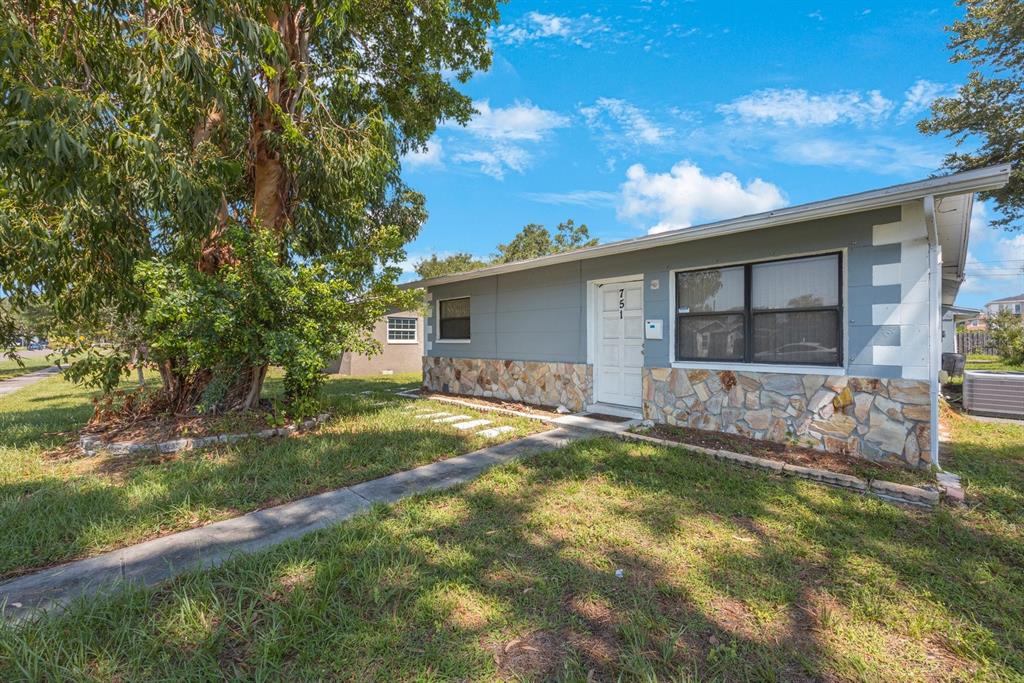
{"points": [[763, 367], [415, 330], [437, 321]]}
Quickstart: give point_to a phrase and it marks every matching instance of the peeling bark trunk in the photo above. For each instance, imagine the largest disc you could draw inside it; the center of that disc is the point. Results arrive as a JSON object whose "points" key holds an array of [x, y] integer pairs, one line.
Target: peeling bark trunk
{"points": [[271, 182], [272, 192]]}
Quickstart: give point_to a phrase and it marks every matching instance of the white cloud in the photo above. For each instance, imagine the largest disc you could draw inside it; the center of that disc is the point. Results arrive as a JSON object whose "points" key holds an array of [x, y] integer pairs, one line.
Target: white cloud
{"points": [[536, 26], [630, 122], [501, 136], [494, 162], [881, 155], [685, 194], [816, 14], [919, 96], [980, 228], [795, 107], [997, 277], [431, 156], [576, 197], [521, 121], [1000, 272]]}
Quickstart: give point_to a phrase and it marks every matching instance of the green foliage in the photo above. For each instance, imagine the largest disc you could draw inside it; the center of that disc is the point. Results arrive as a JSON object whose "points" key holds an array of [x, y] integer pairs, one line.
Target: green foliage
{"points": [[141, 143], [571, 236], [534, 240], [1007, 333], [257, 311], [990, 107], [437, 266]]}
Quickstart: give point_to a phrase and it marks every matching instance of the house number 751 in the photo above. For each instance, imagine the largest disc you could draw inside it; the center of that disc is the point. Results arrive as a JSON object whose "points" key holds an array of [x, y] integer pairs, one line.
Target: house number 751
{"points": [[622, 302]]}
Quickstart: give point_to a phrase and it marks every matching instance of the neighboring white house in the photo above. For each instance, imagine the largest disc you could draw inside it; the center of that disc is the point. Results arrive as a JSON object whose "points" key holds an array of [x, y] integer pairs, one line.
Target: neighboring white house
{"points": [[1009, 303]]}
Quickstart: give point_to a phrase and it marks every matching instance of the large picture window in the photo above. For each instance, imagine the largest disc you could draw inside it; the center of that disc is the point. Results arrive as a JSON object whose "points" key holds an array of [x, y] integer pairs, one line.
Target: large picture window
{"points": [[453, 319], [784, 312]]}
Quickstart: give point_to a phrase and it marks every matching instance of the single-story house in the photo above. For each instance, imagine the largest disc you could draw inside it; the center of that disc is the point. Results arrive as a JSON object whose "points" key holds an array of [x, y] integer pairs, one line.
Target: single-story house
{"points": [[952, 316], [400, 335], [818, 323]]}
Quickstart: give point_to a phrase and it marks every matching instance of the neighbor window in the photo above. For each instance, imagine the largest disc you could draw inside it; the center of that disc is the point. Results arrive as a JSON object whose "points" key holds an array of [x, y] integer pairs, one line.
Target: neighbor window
{"points": [[401, 330], [453, 319], [785, 312]]}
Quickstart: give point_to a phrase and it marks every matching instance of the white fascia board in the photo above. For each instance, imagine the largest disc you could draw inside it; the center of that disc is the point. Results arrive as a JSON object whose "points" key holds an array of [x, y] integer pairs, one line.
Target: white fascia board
{"points": [[977, 180]]}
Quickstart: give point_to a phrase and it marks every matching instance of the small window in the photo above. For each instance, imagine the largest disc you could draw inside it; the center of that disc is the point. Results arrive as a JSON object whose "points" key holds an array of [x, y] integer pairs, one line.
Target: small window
{"points": [[453, 319], [401, 330]]}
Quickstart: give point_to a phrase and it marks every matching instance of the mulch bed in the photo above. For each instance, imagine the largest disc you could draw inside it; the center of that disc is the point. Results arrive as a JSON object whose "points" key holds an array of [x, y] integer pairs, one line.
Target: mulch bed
{"points": [[542, 411], [794, 455], [167, 427]]}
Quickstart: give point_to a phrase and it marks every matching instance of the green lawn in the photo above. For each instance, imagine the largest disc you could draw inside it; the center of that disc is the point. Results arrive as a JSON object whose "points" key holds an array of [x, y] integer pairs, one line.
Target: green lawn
{"points": [[10, 368], [727, 574], [978, 361], [51, 510]]}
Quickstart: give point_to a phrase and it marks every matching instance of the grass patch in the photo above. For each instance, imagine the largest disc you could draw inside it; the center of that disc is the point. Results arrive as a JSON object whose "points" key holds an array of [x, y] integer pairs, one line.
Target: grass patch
{"points": [[10, 368], [56, 510], [726, 574], [980, 361]]}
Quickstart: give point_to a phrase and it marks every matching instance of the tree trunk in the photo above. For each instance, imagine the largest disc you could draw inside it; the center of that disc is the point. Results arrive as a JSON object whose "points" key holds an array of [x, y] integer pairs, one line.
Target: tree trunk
{"points": [[272, 191]]}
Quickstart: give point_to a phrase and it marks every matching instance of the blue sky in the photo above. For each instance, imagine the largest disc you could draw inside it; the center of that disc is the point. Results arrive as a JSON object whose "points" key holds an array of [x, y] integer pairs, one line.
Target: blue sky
{"points": [[641, 116]]}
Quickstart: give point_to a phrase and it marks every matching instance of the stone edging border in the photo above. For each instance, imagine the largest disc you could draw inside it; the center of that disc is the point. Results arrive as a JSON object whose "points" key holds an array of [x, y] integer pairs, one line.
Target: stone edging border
{"points": [[92, 445], [477, 406], [888, 491]]}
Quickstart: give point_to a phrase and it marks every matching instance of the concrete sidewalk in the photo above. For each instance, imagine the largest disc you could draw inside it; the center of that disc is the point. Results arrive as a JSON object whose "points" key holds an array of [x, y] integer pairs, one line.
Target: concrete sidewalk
{"points": [[9, 386], [154, 561]]}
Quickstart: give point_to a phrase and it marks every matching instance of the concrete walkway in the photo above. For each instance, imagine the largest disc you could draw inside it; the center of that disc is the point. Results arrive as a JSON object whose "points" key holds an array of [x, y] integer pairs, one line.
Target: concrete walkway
{"points": [[9, 386], [154, 561]]}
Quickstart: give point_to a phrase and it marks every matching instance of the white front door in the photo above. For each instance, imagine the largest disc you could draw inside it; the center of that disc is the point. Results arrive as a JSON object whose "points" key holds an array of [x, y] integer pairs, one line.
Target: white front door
{"points": [[620, 343]]}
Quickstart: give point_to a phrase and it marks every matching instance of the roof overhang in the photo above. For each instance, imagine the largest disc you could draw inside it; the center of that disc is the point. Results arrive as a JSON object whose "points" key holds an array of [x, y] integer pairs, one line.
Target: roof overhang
{"points": [[954, 192], [960, 313]]}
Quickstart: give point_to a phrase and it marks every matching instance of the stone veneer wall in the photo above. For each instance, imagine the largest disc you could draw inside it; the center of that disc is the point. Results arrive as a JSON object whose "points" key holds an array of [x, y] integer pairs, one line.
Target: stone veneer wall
{"points": [[540, 383], [877, 419]]}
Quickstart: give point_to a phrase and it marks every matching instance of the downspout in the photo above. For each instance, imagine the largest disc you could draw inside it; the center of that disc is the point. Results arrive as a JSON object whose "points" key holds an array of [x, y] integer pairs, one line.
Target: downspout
{"points": [[934, 323]]}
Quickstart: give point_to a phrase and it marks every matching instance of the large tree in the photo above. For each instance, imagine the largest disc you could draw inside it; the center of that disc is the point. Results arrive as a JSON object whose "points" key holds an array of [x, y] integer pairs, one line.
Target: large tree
{"points": [[532, 241], [439, 266], [986, 117], [535, 240], [218, 181]]}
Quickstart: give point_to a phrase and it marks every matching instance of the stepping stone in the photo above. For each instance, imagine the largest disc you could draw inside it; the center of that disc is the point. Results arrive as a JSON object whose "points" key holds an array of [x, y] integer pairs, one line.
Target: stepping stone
{"points": [[471, 424], [452, 418], [427, 416], [495, 431]]}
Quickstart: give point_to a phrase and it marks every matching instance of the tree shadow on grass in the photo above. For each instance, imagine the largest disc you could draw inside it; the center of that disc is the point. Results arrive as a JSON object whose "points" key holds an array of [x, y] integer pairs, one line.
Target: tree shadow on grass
{"points": [[727, 574], [53, 519]]}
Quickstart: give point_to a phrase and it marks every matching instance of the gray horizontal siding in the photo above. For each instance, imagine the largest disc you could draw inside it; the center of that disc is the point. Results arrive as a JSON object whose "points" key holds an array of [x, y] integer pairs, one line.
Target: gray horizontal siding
{"points": [[540, 314]]}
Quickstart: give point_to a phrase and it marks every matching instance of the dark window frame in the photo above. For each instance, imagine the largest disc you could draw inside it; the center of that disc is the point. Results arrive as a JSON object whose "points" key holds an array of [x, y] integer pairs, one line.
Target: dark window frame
{"points": [[749, 312], [441, 320]]}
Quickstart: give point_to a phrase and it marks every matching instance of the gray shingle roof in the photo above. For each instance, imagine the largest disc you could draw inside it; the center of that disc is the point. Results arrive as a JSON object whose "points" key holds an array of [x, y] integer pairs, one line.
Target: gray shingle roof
{"points": [[1005, 299]]}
